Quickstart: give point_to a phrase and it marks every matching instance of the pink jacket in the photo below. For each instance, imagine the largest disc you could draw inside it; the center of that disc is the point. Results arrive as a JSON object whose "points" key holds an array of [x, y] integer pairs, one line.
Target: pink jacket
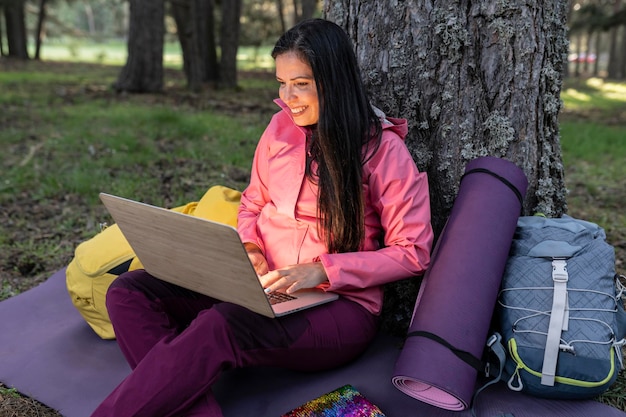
{"points": [[278, 212]]}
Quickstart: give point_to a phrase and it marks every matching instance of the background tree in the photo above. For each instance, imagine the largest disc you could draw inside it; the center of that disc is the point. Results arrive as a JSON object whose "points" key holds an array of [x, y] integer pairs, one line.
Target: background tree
{"points": [[143, 72], [281, 15], [617, 54], [473, 78], [229, 42], [308, 8], [15, 24], [590, 21], [195, 29], [258, 24], [41, 17], [304, 9]]}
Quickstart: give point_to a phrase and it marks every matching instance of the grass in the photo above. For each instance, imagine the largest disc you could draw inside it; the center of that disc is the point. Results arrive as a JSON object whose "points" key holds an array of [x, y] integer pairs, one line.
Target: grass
{"points": [[593, 140], [91, 141], [65, 136], [593, 132], [114, 52]]}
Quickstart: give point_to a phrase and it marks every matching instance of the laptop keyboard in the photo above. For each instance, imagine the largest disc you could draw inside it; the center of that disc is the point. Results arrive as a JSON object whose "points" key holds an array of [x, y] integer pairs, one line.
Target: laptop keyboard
{"points": [[279, 297]]}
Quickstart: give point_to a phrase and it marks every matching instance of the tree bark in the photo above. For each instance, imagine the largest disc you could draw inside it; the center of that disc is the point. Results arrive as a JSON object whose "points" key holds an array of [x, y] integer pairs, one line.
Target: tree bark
{"points": [[2, 53], [231, 12], [183, 13], [209, 44], [143, 72], [579, 51], [309, 7], [473, 78], [15, 22], [195, 28], [41, 18], [296, 11], [622, 55], [613, 70], [281, 15]]}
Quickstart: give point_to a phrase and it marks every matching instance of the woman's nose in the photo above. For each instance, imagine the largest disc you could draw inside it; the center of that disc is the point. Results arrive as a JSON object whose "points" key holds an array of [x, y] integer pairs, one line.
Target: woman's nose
{"points": [[288, 93]]}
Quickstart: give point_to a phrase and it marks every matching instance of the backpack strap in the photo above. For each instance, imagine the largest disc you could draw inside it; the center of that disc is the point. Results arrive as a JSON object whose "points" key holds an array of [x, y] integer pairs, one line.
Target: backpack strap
{"points": [[495, 350], [558, 321]]}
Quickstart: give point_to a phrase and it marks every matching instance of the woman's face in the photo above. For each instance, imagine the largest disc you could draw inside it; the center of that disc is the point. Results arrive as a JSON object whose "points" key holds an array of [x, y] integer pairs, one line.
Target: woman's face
{"points": [[297, 88]]}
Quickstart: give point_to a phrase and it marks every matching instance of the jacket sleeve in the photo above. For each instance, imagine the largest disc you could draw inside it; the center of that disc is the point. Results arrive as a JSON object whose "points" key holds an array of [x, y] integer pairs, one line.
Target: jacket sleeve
{"points": [[399, 194]]}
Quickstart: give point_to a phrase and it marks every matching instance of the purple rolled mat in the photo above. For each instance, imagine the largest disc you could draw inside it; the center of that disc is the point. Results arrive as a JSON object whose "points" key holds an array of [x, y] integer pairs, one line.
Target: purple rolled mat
{"points": [[459, 290]]}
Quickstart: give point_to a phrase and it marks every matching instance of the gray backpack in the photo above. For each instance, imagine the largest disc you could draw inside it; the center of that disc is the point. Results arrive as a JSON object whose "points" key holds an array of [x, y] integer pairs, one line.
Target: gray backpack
{"points": [[560, 310]]}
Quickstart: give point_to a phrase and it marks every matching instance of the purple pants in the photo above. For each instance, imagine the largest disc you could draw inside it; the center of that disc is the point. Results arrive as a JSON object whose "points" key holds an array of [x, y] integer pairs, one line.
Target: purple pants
{"points": [[178, 342]]}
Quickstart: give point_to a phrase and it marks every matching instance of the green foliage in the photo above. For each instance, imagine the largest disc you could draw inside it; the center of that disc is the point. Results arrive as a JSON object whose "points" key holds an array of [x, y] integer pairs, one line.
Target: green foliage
{"points": [[9, 392]]}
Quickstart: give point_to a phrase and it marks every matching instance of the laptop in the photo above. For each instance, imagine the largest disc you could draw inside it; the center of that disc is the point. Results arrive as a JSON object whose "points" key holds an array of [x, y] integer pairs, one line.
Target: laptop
{"points": [[201, 255]]}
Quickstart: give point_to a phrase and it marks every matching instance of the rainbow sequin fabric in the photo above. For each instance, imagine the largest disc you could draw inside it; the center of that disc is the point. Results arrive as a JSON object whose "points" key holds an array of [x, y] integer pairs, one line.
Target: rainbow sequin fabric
{"points": [[342, 402]]}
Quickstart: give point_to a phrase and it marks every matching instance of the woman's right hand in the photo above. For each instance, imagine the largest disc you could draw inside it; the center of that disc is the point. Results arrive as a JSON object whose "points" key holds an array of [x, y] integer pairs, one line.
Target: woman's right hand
{"points": [[257, 258]]}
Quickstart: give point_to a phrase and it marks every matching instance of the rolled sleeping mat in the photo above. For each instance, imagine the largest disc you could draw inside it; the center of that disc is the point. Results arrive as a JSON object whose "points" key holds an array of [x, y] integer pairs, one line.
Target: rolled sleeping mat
{"points": [[455, 303]]}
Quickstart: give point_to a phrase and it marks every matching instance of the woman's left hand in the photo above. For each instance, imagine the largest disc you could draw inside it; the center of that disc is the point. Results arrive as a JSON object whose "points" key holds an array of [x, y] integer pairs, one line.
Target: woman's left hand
{"points": [[295, 277]]}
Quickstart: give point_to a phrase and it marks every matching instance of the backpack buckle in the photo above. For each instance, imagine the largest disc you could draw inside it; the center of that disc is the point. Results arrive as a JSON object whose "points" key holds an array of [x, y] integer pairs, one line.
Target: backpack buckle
{"points": [[559, 270]]}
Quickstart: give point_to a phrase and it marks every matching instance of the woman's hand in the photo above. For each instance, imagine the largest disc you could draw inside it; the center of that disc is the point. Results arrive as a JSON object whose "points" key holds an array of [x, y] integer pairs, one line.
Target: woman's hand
{"points": [[256, 258], [295, 277]]}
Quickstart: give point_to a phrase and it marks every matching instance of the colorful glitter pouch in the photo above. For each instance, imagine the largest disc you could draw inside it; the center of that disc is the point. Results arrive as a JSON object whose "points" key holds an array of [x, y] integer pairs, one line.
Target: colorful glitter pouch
{"points": [[342, 402]]}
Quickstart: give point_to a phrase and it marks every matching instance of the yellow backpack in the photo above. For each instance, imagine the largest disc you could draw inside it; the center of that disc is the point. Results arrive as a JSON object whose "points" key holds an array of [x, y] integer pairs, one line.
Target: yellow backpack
{"points": [[99, 260]]}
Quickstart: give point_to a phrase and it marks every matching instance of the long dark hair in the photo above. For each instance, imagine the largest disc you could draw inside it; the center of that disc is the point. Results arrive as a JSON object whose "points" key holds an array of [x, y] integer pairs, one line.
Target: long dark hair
{"points": [[347, 133]]}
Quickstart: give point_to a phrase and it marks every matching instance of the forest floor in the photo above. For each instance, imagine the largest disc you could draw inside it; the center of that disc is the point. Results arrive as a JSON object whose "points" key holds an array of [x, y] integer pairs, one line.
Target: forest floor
{"points": [[29, 271]]}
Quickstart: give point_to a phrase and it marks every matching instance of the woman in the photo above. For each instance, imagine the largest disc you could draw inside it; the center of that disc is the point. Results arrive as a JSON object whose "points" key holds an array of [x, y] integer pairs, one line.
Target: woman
{"points": [[334, 201]]}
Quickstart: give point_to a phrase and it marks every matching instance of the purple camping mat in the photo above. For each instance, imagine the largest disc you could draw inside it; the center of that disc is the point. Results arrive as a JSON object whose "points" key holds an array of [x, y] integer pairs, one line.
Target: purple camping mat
{"points": [[459, 290], [49, 353]]}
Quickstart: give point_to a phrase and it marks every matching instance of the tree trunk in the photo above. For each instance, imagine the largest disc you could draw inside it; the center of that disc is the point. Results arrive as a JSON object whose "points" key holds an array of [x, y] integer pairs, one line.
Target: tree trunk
{"points": [[209, 44], [281, 15], [622, 68], [231, 12], [296, 11], [613, 69], [2, 53], [587, 53], [41, 18], [473, 78], [143, 72], [185, 16], [598, 48], [15, 22], [579, 52], [309, 7], [91, 20]]}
